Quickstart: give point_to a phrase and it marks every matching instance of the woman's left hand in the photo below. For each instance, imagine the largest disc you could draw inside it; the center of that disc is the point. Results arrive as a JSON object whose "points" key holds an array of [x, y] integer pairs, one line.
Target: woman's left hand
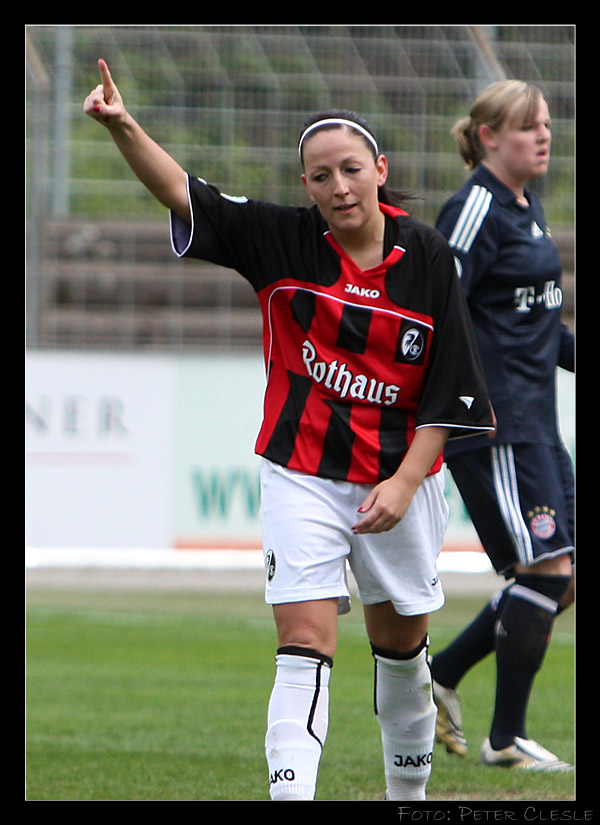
{"points": [[384, 507]]}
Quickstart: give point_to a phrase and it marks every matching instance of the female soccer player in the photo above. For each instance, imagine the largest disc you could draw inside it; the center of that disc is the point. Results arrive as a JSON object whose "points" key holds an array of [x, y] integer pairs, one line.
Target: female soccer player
{"points": [[371, 366], [518, 488]]}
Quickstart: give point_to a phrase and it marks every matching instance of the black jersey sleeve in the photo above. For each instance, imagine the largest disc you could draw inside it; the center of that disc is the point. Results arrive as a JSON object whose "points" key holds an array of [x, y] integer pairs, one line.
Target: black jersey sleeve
{"points": [[455, 393], [260, 240]]}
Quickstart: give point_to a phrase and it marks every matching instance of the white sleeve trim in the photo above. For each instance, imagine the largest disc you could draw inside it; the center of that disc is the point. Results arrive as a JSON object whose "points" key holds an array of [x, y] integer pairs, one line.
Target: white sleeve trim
{"points": [[182, 233], [476, 428], [470, 219]]}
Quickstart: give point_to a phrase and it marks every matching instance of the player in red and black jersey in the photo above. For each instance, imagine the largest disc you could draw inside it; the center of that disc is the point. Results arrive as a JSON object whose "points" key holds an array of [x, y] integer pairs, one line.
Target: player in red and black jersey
{"points": [[371, 366], [356, 359]]}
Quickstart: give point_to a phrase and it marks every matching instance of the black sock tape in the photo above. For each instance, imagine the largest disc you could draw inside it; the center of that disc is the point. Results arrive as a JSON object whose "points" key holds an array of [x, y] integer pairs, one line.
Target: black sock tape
{"points": [[309, 652], [394, 654]]}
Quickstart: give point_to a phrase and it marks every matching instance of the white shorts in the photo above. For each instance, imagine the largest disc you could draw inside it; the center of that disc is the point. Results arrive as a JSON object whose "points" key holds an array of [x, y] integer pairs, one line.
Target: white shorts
{"points": [[307, 540]]}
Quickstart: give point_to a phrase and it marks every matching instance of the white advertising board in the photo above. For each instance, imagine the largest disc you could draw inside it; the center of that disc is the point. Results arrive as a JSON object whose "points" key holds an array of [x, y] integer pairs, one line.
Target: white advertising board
{"points": [[99, 450], [147, 451]]}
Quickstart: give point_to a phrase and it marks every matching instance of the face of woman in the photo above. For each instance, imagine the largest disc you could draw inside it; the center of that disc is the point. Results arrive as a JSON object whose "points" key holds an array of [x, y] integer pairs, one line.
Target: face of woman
{"points": [[341, 177], [519, 152]]}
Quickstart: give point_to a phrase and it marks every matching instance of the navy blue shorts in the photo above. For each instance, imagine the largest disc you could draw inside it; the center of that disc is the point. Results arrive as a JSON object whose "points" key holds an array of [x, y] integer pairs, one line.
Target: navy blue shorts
{"points": [[520, 498]]}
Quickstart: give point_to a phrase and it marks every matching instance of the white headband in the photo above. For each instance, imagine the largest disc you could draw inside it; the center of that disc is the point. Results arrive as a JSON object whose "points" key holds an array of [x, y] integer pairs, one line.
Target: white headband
{"points": [[337, 122]]}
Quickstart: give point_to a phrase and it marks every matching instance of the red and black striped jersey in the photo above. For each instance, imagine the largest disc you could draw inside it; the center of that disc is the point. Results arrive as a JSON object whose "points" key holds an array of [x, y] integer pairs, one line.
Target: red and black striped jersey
{"points": [[356, 360]]}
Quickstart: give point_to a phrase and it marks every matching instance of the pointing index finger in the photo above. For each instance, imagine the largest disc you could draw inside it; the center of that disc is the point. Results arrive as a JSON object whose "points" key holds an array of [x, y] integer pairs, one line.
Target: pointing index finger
{"points": [[105, 74]]}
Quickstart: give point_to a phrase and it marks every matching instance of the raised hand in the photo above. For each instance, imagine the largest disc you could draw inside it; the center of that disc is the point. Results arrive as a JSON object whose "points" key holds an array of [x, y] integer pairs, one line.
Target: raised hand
{"points": [[105, 103]]}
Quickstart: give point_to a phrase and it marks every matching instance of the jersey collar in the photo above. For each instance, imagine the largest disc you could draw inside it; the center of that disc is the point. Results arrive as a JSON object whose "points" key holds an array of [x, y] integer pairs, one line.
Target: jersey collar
{"points": [[499, 190]]}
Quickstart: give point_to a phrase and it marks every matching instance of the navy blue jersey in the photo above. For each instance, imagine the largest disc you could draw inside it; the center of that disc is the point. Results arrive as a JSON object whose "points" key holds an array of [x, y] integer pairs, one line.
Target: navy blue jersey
{"points": [[356, 360], [511, 274]]}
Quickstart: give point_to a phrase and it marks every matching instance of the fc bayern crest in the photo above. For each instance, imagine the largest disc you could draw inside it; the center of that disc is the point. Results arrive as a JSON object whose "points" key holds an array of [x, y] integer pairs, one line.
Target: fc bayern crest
{"points": [[542, 522]]}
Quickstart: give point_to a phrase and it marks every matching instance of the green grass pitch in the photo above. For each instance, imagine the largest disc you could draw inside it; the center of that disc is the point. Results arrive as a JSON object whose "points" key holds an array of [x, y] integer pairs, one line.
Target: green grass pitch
{"points": [[162, 696]]}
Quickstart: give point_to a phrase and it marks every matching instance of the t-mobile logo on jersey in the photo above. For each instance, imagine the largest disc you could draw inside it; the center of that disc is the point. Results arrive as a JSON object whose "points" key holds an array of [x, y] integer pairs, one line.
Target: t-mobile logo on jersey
{"points": [[550, 298], [344, 382]]}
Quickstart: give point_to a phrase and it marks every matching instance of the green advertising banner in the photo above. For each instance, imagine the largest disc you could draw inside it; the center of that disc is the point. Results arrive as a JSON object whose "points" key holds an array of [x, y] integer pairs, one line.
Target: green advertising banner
{"points": [[219, 410], [217, 495]]}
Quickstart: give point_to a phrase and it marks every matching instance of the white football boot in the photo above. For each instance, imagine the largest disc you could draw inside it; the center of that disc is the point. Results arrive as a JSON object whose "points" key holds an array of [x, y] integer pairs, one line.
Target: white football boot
{"points": [[524, 754]]}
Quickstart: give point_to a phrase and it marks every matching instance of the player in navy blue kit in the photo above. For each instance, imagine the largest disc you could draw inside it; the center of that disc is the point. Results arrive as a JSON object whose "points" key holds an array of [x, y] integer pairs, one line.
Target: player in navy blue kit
{"points": [[518, 488], [371, 367]]}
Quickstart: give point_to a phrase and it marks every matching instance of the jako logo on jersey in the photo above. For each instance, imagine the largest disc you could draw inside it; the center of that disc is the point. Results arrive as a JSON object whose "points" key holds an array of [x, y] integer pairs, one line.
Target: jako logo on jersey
{"points": [[362, 291], [341, 380]]}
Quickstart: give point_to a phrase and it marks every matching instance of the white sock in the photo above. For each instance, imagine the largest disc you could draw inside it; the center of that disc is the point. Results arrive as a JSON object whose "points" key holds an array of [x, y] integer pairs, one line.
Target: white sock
{"points": [[406, 714], [298, 720]]}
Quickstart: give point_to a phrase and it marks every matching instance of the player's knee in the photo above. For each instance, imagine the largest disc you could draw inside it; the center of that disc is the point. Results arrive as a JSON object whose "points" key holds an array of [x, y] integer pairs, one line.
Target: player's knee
{"points": [[568, 597], [551, 587], [308, 626]]}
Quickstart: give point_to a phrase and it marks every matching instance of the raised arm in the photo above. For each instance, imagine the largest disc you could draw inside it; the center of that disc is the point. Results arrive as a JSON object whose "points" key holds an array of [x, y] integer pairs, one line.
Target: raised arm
{"points": [[154, 167]]}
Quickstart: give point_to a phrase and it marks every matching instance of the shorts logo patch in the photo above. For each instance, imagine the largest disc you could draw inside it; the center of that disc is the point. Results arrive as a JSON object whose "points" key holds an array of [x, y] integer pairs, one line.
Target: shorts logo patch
{"points": [[542, 522], [270, 564]]}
